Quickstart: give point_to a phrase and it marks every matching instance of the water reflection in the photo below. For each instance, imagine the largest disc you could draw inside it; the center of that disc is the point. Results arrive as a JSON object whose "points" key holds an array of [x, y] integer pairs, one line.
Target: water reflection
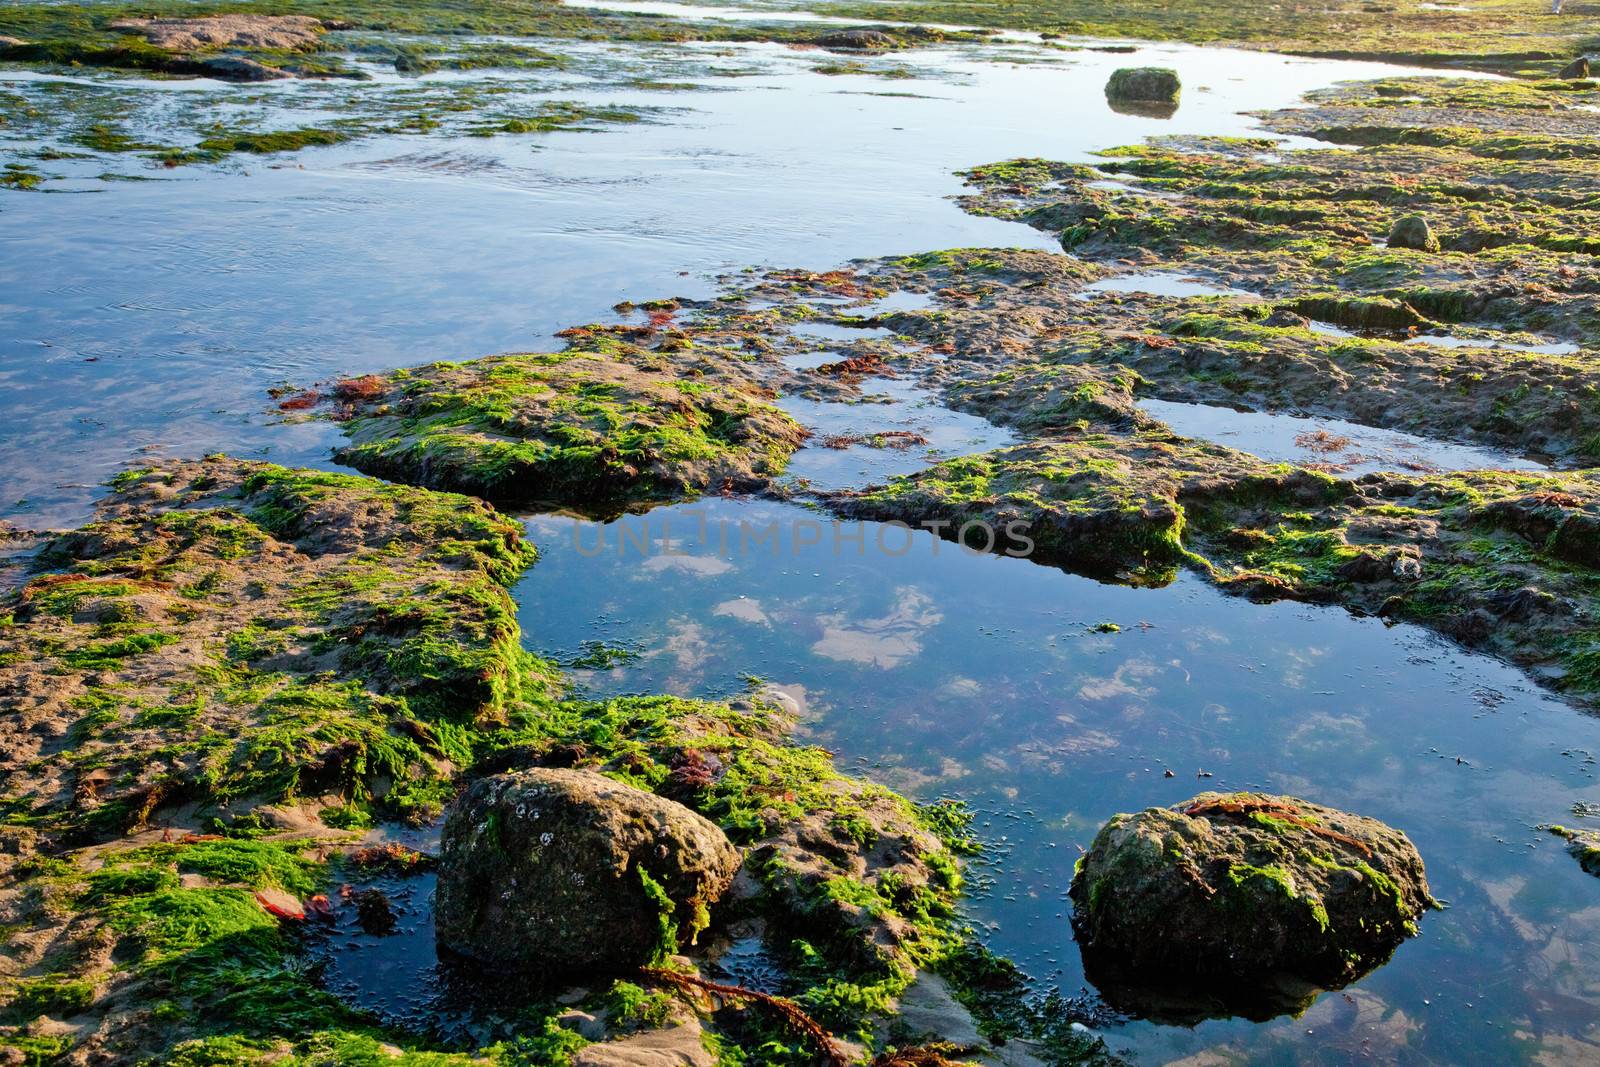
{"points": [[1344, 449]]}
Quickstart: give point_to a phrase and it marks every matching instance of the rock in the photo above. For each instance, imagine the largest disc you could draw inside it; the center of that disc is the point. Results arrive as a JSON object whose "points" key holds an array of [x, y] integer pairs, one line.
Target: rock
{"points": [[586, 1026], [280, 904], [1283, 318], [1582, 845], [1144, 84], [240, 69], [11, 42], [410, 61], [928, 1006], [861, 40], [1245, 896], [1576, 70], [288, 32], [1520, 605], [1365, 567], [1413, 231], [677, 1046], [555, 870]]}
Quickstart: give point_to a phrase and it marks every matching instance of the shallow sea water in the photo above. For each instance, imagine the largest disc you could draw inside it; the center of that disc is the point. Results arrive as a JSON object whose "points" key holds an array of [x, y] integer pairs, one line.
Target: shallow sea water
{"points": [[154, 315]]}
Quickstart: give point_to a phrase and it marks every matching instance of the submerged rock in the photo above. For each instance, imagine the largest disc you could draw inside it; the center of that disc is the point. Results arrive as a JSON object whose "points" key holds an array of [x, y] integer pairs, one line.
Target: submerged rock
{"points": [[1243, 894], [1413, 231], [1144, 84], [563, 870]]}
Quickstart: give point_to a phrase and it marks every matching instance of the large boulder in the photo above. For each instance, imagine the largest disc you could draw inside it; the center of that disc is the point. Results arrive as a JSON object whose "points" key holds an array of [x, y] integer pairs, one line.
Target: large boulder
{"points": [[560, 871], [1149, 85], [1243, 895], [1413, 231]]}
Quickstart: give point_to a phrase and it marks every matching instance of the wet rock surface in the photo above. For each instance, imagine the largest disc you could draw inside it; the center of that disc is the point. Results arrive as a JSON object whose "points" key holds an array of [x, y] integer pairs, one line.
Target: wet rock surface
{"points": [[1238, 893], [240, 69], [554, 872]]}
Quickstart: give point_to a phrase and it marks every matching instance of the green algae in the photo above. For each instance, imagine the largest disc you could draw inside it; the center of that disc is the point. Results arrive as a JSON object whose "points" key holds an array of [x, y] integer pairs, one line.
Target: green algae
{"points": [[422, 630], [595, 423], [1495, 36], [18, 176]]}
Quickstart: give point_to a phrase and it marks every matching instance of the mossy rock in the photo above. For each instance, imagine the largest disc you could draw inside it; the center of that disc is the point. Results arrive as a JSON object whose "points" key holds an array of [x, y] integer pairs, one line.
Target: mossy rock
{"points": [[1151, 85], [1413, 231], [1582, 845], [1247, 901], [561, 872], [578, 428]]}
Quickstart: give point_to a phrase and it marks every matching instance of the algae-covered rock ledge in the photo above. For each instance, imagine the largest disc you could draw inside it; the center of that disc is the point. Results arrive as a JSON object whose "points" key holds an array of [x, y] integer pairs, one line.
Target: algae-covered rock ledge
{"points": [[606, 421]]}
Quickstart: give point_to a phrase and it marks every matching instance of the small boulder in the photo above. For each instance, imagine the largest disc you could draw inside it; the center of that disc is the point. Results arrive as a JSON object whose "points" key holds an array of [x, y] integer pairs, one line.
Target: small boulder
{"points": [[1284, 319], [1247, 897], [1577, 70], [560, 871], [1150, 85], [859, 40], [1413, 231]]}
